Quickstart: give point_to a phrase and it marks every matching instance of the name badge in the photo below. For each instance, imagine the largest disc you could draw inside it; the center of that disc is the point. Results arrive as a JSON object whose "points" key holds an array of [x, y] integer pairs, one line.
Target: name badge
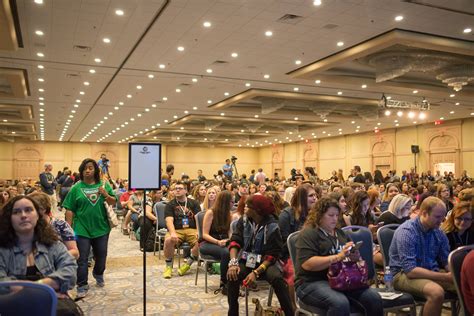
{"points": [[185, 222], [252, 260]]}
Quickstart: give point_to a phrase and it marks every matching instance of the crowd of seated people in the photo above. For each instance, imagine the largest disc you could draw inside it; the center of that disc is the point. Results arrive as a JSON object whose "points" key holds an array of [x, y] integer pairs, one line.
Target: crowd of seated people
{"points": [[363, 199]]}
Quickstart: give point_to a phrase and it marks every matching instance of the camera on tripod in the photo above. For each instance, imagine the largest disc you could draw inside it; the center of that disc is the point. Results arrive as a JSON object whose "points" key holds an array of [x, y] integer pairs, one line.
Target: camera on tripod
{"points": [[233, 159]]}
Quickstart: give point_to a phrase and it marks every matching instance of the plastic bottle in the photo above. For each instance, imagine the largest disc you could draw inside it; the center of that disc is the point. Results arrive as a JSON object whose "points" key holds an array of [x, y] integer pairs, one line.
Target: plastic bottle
{"points": [[388, 279]]}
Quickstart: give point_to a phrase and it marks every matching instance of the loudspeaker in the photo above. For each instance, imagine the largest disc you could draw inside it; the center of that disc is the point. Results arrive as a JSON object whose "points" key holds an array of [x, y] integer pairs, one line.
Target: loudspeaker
{"points": [[415, 149]]}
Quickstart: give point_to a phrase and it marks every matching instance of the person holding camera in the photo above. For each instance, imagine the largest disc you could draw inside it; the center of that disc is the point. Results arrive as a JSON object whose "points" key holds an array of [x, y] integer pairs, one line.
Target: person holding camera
{"points": [[104, 165], [227, 169]]}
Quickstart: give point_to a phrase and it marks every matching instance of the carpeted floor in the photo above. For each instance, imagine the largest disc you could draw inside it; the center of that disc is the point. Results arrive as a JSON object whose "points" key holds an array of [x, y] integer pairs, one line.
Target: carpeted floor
{"points": [[123, 293]]}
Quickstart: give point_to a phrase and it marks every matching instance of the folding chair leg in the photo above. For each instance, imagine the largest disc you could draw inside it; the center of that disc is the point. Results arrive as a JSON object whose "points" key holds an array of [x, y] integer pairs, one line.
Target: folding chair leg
{"points": [[205, 275], [246, 301], [270, 296]]}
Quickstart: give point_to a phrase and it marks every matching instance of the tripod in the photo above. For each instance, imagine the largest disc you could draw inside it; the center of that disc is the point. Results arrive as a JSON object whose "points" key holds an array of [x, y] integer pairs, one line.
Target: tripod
{"points": [[234, 167]]}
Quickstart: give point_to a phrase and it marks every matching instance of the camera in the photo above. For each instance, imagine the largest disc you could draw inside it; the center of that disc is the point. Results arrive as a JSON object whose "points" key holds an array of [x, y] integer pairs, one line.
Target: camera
{"points": [[233, 159]]}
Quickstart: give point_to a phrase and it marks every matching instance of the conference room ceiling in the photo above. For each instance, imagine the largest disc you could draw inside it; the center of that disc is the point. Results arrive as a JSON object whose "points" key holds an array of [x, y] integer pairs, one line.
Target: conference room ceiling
{"points": [[229, 72]]}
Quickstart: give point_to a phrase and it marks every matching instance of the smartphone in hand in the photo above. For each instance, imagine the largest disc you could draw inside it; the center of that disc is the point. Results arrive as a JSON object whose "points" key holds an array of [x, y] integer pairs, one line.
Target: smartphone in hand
{"points": [[356, 246]]}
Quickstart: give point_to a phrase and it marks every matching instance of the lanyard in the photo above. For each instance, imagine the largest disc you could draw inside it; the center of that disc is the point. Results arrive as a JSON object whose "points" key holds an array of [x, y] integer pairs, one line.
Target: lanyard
{"points": [[334, 244], [185, 206]]}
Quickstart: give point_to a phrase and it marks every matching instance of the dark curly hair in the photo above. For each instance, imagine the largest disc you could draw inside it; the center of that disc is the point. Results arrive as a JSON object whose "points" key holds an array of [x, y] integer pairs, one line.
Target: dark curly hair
{"points": [[44, 233], [319, 209]]}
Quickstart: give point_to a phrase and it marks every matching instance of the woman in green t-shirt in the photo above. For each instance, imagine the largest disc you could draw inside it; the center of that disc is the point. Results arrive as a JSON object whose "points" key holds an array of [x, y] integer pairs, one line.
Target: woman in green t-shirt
{"points": [[86, 213]]}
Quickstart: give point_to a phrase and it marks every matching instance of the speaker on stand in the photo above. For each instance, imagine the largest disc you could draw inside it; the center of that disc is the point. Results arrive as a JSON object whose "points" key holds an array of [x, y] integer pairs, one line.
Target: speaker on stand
{"points": [[415, 149]]}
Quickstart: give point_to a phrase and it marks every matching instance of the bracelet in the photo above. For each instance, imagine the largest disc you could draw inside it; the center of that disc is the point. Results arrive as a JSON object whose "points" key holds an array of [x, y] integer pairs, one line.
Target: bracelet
{"points": [[264, 267], [234, 262], [256, 273]]}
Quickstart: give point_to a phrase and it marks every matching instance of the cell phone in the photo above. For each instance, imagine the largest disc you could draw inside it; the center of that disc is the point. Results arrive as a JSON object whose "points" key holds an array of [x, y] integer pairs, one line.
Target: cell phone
{"points": [[380, 224], [356, 246]]}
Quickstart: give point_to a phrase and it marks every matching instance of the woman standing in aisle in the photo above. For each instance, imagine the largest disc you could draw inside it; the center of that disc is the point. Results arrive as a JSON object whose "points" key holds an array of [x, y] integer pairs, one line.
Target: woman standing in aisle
{"points": [[86, 213]]}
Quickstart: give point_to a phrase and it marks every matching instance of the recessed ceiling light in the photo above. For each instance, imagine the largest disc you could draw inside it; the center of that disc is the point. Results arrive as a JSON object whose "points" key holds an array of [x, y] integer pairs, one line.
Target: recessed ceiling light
{"points": [[452, 95], [247, 84], [92, 71], [119, 12], [398, 18], [195, 108], [422, 116], [296, 119], [387, 113], [353, 122], [86, 83], [399, 113], [325, 120], [235, 55], [139, 87], [164, 99], [256, 116], [162, 66], [339, 93], [40, 79], [129, 96], [298, 62], [415, 91], [317, 81], [226, 93], [357, 126], [389, 97], [39, 33], [82, 92], [209, 71], [151, 76], [41, 90], [207, 24], [397, 124], [194, 80], [467, 30], [39, 1], [472, 113], [186, 112], [266, 76], [457, 103], [268, 33], [40, 66], [296, 89], [120, 103], [364, 86], [340, 44], [39, 54], [106, 40], [116, 108], [317, 3], [451, 112], [180, 48]]}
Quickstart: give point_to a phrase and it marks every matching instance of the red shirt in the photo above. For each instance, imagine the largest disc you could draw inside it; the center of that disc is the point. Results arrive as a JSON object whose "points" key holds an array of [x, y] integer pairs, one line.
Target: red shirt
{"points": [[467, 281], [125, 197]]}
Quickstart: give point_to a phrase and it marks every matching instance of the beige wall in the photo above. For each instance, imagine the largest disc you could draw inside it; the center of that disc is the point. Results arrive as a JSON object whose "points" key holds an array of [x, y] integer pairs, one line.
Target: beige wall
{"points": [[453, 141]]}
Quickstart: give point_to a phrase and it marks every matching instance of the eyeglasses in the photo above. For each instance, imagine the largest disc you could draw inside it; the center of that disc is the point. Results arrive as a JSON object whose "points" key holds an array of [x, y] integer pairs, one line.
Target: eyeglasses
{"points": [[178, 188], [463, 219]]}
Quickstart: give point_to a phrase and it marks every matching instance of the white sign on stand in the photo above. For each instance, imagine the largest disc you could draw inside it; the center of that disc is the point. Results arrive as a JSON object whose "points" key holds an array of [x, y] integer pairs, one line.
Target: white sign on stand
{"points": [[144, 168]]}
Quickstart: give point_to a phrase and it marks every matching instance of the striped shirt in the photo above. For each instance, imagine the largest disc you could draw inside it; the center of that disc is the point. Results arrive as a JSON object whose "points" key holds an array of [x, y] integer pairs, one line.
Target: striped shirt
{"points": [[413, 246]]}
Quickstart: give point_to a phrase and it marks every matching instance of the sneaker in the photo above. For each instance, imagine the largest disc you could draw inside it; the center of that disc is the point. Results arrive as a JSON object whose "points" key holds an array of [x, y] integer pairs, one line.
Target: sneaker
{"points": [[184, 268], [168, 272], [99, 279], [81, 292]]}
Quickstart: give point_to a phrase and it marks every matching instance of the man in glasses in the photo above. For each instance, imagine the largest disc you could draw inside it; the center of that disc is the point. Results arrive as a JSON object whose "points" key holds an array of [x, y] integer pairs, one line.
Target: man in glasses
{"points": [[179, 216]]}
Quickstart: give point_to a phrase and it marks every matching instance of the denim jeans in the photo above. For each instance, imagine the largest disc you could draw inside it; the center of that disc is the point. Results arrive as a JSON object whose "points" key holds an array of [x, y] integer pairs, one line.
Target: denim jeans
{"points": [[274, 276], [99, 248], [320, 294], [219, 253]]}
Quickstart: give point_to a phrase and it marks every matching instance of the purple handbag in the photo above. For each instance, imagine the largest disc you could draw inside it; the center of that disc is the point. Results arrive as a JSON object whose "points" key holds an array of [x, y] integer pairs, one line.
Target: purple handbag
{"points": [[348, 275]]}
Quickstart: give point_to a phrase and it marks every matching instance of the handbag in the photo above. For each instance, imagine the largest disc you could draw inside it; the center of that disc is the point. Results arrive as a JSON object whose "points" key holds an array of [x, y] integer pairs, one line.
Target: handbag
{"points": [[111, 216], [348, 275]]}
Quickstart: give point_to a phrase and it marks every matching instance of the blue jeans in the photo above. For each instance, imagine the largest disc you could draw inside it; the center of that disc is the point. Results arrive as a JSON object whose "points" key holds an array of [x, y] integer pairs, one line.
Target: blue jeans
{"points": [[218, 253], [320, 294], [99, 248]]}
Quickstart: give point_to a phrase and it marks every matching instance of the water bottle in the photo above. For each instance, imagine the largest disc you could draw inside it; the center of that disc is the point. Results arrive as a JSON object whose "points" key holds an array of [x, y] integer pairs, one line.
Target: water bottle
{"points": [[388, 279]]}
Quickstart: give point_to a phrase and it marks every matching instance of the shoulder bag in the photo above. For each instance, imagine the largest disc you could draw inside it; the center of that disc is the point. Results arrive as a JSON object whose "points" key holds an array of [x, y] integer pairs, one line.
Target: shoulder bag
{"points": [[348, 275], [111, 215]]}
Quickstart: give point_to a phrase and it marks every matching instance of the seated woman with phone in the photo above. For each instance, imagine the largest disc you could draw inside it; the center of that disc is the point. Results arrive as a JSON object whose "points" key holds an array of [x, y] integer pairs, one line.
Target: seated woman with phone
{"points": [[319, 245]]}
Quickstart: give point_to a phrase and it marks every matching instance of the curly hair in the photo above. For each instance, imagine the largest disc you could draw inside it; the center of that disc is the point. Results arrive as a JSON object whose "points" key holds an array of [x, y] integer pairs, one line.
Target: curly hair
{"points": [[43, 232], [318, 210]]}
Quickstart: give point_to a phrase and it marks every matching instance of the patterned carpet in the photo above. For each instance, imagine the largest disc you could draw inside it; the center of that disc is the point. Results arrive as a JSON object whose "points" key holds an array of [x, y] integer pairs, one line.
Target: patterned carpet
{"points": [[123, 293]]}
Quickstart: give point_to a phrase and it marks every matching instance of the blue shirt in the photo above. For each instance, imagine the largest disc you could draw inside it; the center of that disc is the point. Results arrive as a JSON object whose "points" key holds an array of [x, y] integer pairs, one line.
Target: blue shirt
{"points": [[227, 170], [414, 246]]}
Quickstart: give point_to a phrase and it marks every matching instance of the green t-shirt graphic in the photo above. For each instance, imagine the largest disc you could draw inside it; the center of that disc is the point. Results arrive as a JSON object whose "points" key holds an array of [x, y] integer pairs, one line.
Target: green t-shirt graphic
{"points": [[87, 205]]}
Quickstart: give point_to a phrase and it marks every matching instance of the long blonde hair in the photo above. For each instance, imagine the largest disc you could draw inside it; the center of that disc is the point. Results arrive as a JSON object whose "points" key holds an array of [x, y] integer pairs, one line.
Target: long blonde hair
{"points": [[207, 204]]}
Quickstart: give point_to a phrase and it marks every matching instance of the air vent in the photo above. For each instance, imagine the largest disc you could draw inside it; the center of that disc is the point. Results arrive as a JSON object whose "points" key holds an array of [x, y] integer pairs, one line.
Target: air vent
{"points": [[81, 48], [184, 84], [290, 19], [73, 76], [330, 26], [220, 62]]}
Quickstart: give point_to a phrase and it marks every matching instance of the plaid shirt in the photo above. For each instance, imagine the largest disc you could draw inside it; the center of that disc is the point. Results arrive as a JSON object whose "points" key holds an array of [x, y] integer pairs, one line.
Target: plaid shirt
{"points": [[413, 247]]}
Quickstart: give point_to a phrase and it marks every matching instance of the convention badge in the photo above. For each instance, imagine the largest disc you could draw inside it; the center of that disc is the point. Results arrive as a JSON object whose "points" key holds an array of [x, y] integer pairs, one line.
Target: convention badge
{"points": [[259, 258], [244, 255], [251, 260], [185, 222]]}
